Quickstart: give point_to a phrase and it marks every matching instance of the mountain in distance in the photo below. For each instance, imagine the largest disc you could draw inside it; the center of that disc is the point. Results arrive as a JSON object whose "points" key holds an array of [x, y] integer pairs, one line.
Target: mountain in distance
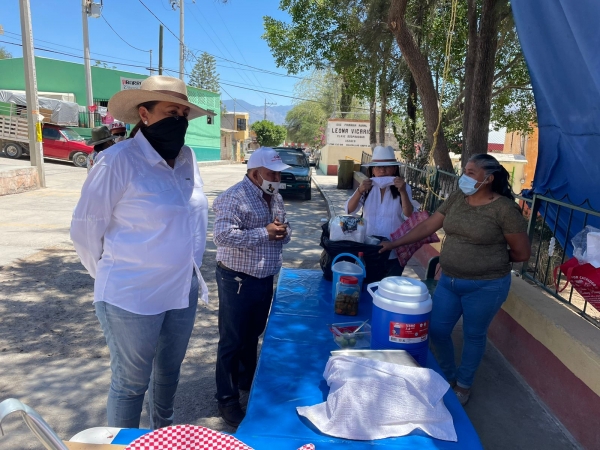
{"points": [[275, 114]]}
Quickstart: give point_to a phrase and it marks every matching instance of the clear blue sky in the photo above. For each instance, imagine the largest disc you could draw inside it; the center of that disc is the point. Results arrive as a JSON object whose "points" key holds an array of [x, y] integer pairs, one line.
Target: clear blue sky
{"points": [[232, 31]]}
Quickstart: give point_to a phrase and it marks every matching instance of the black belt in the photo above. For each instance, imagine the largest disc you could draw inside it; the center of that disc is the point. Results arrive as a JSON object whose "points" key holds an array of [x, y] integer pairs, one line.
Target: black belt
{"points": [[224, 267]]}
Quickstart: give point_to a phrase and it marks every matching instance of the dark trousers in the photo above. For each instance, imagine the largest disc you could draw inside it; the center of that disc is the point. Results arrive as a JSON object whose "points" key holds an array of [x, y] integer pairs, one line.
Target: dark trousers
{"points": [[393, 268], [244, 304]]}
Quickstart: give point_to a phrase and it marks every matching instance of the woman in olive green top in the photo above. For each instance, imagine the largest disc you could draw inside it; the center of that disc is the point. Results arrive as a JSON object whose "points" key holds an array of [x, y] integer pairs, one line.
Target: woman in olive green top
{"points": [[485, 232]]}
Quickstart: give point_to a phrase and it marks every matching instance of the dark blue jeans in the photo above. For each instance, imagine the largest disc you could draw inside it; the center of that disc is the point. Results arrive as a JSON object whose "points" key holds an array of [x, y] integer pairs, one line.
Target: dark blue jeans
{"points": [[477, 301], [244, 304]]}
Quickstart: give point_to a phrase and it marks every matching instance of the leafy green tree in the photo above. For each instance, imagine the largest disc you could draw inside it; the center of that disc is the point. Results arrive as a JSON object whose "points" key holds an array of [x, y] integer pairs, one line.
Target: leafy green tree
{"points": [[268, 134], [5, 54], [204, 74], [305, 122]]}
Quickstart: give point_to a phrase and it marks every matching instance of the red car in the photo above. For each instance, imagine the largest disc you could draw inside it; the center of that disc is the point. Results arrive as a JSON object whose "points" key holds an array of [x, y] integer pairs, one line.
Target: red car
{"points": [[59, 143]]}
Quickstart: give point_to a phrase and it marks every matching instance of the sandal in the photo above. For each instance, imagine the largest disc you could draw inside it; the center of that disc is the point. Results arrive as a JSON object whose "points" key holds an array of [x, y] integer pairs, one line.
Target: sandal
{"points": [[463, 397]]}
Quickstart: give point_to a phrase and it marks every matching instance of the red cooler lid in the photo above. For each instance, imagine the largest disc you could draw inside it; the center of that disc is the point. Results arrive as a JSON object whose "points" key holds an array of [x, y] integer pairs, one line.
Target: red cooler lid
{"points": [[349, 280]]}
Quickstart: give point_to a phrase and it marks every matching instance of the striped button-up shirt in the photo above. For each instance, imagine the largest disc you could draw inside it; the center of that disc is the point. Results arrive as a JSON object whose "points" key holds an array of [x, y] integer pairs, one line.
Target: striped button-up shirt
{"points": [[240, 233]]}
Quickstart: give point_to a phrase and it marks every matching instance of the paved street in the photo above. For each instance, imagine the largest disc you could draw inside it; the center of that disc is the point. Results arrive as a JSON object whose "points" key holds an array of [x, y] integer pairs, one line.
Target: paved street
{"points": [[52, 353]]}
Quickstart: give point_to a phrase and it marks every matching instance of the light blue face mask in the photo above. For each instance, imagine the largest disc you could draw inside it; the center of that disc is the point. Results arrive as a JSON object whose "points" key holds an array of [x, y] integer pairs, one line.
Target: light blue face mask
{"points": [[467, 184]]}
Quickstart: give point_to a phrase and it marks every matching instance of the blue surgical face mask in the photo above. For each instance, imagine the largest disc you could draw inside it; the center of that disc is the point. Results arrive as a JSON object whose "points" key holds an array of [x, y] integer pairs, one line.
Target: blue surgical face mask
{"points": [[467, 184]]}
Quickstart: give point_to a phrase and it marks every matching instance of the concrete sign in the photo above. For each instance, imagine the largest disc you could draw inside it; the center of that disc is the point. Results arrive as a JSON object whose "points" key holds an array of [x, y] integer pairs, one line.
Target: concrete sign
{"points": [[130, 83], [348, 133]]}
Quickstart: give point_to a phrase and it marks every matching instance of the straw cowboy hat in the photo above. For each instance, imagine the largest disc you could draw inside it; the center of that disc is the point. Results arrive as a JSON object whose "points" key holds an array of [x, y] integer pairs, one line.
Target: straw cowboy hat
{"points": [[99, 135], [383, 156], [123, 105]]}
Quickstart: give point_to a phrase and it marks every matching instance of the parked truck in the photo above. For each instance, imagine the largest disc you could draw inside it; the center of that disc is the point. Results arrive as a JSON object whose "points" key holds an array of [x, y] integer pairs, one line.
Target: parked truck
{"points": [[59, 142]]}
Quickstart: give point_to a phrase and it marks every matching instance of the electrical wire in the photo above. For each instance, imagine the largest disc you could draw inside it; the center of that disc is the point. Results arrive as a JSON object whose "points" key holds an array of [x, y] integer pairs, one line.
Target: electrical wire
{"points": [[220, 57], [71, 48], [119, 36]]}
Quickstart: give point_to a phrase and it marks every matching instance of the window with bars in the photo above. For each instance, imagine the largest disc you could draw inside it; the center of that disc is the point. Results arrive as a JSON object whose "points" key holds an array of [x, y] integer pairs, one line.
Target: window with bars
{"points": [[241, 124]]}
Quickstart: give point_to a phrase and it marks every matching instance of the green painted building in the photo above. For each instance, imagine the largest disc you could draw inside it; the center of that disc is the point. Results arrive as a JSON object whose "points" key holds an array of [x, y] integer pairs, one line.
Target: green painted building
{"points": [[65, 77]]}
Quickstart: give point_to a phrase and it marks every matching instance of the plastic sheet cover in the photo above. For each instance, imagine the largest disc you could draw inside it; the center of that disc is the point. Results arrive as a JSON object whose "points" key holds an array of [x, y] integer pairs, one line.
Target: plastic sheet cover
{"points": [[296, 347], [63, 113], [560, 41]]}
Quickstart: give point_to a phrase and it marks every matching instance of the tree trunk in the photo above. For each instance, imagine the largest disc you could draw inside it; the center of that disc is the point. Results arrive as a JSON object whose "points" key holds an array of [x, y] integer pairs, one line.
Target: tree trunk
{"points": [[383, 88], [469, 66], [382, 118], [411, 112], [419, 67], [345, 99], [373, 122], [476, 139]]}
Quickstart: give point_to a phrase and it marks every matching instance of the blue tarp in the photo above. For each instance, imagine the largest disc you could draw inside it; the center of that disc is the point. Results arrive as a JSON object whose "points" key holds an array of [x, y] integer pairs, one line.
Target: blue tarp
{"points": [[295, 350], [561, 43]]}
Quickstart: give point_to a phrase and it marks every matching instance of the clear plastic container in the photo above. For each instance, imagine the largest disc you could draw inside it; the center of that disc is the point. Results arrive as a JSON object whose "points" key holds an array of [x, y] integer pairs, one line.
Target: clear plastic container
{"points": [[346, 336], [347, 293]]}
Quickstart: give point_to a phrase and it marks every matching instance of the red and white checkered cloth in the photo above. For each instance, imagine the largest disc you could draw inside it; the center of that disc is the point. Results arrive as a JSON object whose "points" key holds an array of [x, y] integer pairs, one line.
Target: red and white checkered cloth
{"points": [[191, 437], [405, 252]]}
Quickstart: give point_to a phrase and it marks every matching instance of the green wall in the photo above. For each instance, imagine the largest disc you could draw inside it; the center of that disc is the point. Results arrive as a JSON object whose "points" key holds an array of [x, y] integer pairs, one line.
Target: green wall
{"points": [[203, 138], [62, 76]]}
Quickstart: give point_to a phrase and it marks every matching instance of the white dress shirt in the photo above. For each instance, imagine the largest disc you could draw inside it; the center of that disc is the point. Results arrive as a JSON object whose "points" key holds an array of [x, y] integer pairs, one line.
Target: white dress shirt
{"points": [[382, 216], [140, 227]]}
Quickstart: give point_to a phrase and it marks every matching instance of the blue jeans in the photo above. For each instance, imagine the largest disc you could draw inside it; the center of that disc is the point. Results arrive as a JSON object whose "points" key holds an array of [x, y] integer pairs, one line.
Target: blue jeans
{"points": [[145, 351], [244, 304], [477, 301]]}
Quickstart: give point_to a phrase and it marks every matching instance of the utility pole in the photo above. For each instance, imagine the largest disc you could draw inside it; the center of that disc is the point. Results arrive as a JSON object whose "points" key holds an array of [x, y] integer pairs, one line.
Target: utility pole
{"points": [[270, 104], [181, 41], [175, 4], [160, 50], [151, 70], [34, 124], [86, 52]]}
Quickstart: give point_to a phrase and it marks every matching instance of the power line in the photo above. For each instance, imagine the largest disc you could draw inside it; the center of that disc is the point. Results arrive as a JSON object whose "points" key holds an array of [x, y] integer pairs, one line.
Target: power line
{"points": [[216, 46], [176, 71], [119, 36], [220, 57], [71, 48], [233, 40], [18, 36], [76, 56]]}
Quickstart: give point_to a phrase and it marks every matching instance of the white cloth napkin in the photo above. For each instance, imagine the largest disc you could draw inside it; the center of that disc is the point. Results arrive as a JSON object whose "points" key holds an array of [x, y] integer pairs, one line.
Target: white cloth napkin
{"points": [[371, 399]]}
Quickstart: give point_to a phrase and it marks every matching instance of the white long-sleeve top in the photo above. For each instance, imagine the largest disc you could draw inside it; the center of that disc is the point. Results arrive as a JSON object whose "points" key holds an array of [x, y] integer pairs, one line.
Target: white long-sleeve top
{"points": [[383, 217], [140, 227]]}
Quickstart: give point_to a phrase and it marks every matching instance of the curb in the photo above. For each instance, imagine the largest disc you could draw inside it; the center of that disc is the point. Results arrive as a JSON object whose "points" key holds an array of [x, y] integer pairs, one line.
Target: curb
{"points": [[217, 163], [330, 207]]}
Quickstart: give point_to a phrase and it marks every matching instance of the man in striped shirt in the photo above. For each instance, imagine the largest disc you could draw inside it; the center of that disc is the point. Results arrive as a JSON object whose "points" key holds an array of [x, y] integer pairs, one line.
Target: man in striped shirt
{"points": [[250, 231]]}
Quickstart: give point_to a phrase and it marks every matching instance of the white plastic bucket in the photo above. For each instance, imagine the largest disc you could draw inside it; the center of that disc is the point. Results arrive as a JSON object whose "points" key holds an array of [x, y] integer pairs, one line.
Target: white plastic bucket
{"points": [[400, 316], [347, 268]]}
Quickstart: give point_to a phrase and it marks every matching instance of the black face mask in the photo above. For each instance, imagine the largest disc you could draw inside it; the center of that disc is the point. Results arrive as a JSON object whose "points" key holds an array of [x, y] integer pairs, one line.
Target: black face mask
{"points": [[167, 136]]}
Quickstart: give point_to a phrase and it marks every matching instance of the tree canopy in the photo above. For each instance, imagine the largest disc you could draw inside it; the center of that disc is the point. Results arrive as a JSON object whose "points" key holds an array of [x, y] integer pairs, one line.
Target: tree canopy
{"points": [[204, 74], [391, 54], [5, 54], [268, 134]]}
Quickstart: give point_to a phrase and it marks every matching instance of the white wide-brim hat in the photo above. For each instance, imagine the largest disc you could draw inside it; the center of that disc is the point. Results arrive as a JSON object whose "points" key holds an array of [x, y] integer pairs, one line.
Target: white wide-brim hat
{"points": [[123, 105], [383, 156]]}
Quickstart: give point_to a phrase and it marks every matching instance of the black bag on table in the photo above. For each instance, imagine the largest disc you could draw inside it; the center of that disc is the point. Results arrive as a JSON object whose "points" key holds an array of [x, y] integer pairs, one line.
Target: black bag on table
{"points": [[375, 262]]}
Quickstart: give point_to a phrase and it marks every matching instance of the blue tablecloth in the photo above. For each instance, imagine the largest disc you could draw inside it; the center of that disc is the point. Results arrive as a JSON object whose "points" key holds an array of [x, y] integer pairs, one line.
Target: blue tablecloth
{"points": [[296, 347]]}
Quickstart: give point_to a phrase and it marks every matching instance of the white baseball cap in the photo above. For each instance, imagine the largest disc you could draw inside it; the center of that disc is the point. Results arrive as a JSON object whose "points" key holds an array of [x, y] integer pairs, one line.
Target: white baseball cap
{"points": [[266, 157]]}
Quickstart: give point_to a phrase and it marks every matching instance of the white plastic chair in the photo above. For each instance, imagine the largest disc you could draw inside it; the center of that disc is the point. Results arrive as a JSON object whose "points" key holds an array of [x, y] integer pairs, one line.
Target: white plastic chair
{"points": [[34, 421]]}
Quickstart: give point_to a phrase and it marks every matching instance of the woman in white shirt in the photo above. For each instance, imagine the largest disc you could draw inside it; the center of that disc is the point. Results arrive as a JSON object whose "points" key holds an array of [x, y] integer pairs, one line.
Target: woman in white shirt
{"points": [[386, 200], [140, 230]]}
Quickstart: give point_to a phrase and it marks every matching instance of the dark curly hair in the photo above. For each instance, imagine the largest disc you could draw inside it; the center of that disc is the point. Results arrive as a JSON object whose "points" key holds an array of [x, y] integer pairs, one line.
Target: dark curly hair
{"points": [[491, 166]]}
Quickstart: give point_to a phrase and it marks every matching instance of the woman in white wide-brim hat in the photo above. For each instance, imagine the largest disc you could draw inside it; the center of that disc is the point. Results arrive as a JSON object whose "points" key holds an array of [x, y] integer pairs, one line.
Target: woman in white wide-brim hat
{"points": [[385, 198], [140, 231]]}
